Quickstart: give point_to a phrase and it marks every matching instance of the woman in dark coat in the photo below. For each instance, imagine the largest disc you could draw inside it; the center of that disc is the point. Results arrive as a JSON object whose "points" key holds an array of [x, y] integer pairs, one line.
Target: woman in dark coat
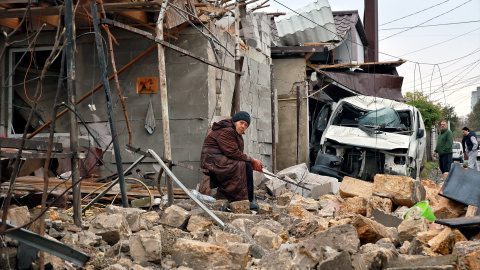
{"points": [[230, 170]]}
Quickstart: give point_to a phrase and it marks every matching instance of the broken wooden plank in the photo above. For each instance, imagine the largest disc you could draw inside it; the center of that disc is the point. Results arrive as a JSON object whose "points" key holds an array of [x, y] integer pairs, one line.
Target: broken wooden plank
{"points": [[29, 144]]}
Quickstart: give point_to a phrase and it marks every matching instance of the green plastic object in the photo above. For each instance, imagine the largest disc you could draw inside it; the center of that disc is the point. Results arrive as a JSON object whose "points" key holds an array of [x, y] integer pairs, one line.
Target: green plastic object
{"points": [[426, 210]]}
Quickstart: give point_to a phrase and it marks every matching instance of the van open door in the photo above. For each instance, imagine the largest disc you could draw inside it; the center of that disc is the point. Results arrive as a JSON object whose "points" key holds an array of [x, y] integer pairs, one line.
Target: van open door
{"points": [[319, 126]]}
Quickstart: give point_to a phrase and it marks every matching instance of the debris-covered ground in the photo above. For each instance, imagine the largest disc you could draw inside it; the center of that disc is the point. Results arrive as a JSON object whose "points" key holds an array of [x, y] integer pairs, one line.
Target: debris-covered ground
{"points": [[349, 225]]}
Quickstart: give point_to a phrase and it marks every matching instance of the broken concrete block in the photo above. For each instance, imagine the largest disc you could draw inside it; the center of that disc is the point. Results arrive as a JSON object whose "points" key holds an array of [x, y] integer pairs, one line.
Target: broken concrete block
{"points": [[286, 198], [369, 231], [308, 204], [200, 255], [409, 228], [146, 246], [175, 216], [246, 225], [378, 259], [354, 205], [424, 262], [242, 207], [270, 224], [387, 220], [296, 173], [343, 237], [239, 253], [132, 215], [320, 190], [265, 208], [444, 242], [319, 185], [198, 223], [393, 235], [299, 212], [351, 187], [289, 257], [403, 190], [148, 220], [448, 209], [275, 187], [111, 227], [472, 260], [385, 204], [267, 239], [169, 237], [260, 179], [340, 261]]}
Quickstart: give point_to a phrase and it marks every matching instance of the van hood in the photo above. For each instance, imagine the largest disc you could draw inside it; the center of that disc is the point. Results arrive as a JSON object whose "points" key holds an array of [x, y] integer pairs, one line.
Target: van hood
{"points": [[356, 137]]}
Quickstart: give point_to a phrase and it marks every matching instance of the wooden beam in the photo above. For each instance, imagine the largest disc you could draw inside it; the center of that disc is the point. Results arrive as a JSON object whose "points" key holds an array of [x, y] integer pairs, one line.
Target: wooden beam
{"points": [[50, 20], [10, 22]]}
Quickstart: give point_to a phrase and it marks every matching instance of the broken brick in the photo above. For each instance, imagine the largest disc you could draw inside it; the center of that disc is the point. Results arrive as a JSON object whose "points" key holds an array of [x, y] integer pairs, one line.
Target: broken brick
{"points": [[403, 190], [351, 187]]}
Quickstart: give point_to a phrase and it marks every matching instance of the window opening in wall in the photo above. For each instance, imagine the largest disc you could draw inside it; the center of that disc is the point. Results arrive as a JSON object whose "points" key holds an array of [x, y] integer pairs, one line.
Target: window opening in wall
{"points": [[22, 85]]}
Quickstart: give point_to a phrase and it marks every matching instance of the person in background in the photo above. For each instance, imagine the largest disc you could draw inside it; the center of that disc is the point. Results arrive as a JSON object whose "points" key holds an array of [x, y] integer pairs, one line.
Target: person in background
{"points": [[444, 147], [470, 147], [230, 170]]}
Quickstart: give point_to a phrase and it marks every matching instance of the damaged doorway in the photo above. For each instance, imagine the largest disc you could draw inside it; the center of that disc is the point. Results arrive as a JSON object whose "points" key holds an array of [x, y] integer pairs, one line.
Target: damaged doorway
{"points": [[25, 67]]}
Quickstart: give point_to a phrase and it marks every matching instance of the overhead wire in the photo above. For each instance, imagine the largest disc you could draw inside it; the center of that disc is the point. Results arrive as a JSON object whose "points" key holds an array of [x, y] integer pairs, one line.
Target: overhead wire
{"points": [[430, 25], [420, 11]]}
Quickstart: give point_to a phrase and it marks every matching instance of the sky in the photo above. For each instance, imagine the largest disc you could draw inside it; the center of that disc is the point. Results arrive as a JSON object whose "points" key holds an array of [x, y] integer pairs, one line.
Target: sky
{"points": [[443, 61]]}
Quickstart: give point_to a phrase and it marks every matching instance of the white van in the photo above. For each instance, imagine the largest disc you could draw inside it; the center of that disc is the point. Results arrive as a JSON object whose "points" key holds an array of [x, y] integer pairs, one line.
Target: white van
{"points": [[457, 152], [365, 136]]}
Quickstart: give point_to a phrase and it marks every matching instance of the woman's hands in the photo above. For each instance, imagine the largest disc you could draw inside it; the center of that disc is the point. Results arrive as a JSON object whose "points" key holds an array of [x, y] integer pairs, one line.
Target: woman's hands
{"points": [[257, 165]]}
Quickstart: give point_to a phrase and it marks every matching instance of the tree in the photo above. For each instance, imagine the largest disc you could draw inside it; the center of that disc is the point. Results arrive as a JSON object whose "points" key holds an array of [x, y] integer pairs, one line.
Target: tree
{"points": [[431, 113], [448, 113], [473, 118]]}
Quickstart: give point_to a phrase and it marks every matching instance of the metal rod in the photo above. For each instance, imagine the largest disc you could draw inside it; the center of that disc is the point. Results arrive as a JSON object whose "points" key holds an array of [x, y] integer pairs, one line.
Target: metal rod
{"points": [[51, 246], [99, 86], [101, 194], [164, 98], [299, 112], [186, 190], [108, 96], [75, 164]]}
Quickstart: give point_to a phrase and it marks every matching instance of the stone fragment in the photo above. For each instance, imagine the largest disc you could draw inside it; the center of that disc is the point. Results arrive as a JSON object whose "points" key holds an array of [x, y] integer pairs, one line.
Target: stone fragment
{"points": [[111, 227], [320, 190], [340, 261], [299, 212], [169, 237], [200, 255], [378, 259], [146, 246], [8, 257], [369, 231], [297, 172], [278, 209], [88, 238], [393, 235], [403, 190], [63, 217], [288, 221], [256, 251], [259, 179], [18, 215], [309, 227], [444, 242], [239, 253], [472, 260], [431, 190], [267, 239], [275, 186], [289, 257], [246, 225], [115, 267], [351, 187], [446, 209], [286, 198], [242, 207], [319, 185], [306, 203], [354, 205], [175, 216], [404, 248], [463, 248], [384, 204], [265, 208], [343, 237], [222, 238], [272, 225], [387, 220], [409, 228], [198, 223], [425, 262]]}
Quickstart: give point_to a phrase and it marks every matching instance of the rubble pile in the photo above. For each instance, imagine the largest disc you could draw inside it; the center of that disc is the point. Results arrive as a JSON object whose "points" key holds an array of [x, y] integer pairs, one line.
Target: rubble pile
{"points": [[351, 224]]}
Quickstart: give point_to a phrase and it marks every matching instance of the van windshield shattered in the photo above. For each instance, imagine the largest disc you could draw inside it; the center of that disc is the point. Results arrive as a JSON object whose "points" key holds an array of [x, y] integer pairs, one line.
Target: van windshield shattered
{"points": [[384, 119]]}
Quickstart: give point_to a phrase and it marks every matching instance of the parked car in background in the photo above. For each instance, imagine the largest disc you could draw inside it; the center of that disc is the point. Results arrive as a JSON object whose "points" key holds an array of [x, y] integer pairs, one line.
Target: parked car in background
{"points": [[457, 152]]}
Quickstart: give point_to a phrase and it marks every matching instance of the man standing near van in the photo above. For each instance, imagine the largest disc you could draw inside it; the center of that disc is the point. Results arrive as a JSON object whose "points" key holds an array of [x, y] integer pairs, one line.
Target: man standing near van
{"points": [[470, 145], [444, 147]]}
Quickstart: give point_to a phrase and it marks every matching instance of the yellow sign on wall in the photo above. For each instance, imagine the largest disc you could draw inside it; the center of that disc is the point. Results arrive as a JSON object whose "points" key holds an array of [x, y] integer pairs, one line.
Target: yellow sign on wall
{"points": [[147, 85]]}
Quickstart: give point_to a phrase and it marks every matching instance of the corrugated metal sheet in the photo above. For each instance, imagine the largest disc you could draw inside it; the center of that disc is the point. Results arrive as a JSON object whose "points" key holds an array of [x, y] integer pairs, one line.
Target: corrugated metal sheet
{"points": [[311, 24]]}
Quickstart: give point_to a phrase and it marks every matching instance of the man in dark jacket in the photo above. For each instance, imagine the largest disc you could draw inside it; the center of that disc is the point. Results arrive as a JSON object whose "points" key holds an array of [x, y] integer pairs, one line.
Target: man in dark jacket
{"points": [[230, 170], [444, 147], [470, 147]]}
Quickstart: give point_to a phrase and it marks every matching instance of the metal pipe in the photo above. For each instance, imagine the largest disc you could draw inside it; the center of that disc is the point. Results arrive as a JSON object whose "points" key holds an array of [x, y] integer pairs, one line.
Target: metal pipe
{"points": [[164, 98], [299, 117], [108, 96], [186, 190], [285, 180], [273, 119], [75, 163], [101, 194]]}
